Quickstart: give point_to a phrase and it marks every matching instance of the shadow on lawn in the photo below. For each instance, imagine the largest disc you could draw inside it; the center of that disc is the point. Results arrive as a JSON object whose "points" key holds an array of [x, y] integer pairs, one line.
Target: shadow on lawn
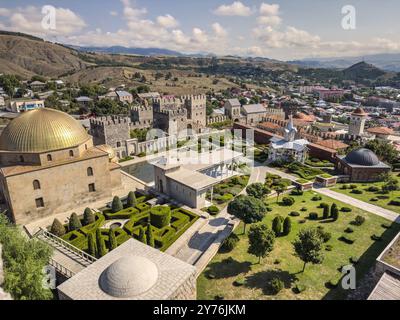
{"points": [[227, 268], [365, 262], [260, 280]]}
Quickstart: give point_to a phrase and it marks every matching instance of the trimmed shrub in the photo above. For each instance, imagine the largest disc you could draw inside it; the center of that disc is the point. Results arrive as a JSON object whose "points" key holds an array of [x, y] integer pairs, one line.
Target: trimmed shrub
{"points": [[347, 239], [357, 191], [92, 248], [88, 217], [374, 200], [150, 236], [354, 260], [304, 209], [269, 209], [334, 212], [230, 243], [276, 285], [239, 282], [346, 209], [328, 247], [373, 189], [323, 205], [344, 187], [74, 223], [316, 198], [142, 236], [288, 201], [213, 210], [160, 216], [302, 221], [394, 203], [112, 240], [57, 228], [325, 214], [376, 238], [287, 226], [277, 226], [294, 214], [131, 200], [297, 192], [116, 205], [313, 216], [101, 246], [353, 186], [299, 288], [325, 236], [358, 221], [383, 197], [349, 230]]}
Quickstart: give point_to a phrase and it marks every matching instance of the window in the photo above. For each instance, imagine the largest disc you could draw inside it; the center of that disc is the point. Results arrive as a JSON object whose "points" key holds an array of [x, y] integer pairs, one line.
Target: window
{"points": [[118, 144], [49, 157], [90, 171], [85, 146], [21, 159], [71, 153], [36, 185], [92, 187], [39, 203]]}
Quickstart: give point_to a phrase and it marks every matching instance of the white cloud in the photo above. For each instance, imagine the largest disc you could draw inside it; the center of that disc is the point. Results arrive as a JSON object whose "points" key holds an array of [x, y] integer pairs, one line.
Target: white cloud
{"points": [[114, 13], [167, 21], [219, 30], [269, 9], [269, 20], [4, 12], [237, 8]]}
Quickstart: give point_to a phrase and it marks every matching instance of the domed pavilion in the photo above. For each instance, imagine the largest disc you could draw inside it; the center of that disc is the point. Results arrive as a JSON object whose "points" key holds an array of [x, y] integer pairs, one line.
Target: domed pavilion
{"points": [[362, 165], [48, 165]]}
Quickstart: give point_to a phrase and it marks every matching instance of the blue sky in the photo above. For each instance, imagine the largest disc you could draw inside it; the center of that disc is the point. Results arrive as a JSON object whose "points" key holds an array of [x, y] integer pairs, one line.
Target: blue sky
{"points": [[280, 29]]}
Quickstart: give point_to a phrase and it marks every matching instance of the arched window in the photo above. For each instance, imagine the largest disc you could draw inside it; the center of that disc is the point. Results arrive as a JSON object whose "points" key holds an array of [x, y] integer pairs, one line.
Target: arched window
{"points": [[36, 185], [49, 157], [118, 144], [71, 153], [21, 159], [90, 171]]}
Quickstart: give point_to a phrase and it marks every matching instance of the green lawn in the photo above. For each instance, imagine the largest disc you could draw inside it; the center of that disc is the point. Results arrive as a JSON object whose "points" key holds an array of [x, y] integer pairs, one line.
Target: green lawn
{"points": [[383, 200], [225, 268]]}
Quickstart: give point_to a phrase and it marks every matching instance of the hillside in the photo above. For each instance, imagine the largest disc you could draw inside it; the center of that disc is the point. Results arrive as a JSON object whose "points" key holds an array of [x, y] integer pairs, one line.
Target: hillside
{"points": [[362, 71], [26, 56]]}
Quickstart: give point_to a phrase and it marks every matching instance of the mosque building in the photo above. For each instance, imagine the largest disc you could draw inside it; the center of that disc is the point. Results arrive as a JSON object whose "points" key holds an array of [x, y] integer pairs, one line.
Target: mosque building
{"points": [[49, 165]]}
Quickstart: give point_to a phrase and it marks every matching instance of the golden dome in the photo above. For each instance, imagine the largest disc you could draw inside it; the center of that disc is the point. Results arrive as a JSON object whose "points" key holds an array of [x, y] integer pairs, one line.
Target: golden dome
{"points": [[111, 153], [42, 130]]}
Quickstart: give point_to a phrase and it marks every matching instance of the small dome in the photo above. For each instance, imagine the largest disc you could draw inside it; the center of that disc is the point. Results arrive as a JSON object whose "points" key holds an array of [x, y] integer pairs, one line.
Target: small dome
{"points": [[362, 157], [128, 277], [360, 112], [42, 130], [111, 153]]}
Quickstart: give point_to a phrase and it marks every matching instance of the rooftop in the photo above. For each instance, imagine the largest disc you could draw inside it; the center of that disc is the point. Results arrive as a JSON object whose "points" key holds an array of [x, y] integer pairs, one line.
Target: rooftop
{"points": [[254, 108], [333, 144], [381, 130], [193, 179], [388, 288]]}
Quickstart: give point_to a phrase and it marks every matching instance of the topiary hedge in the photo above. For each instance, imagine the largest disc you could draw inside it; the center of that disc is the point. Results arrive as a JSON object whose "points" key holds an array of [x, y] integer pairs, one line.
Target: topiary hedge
{"points": [[160, 216], [229, 243], [213, 210]]}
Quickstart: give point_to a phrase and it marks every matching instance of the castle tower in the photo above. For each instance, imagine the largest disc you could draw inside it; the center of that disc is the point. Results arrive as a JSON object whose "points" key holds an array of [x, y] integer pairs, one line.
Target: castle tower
{"points": [[290, 130], [357, 122]]}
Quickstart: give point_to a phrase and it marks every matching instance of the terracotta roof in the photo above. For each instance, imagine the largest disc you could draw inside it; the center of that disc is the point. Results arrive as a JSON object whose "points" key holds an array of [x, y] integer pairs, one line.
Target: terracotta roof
{"points": [[381, 130], [304, 117], [360, 112], [269, 125], [332, 144]]}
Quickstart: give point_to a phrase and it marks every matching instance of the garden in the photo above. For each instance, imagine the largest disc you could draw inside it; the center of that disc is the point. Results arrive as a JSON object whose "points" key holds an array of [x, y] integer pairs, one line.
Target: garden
{"points": [[385, 194], [301, 170], [136, 217], [273, 259]]}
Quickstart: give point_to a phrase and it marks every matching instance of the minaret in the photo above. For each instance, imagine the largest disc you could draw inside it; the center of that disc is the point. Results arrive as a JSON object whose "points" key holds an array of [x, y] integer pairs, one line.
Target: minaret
{"points": [[357, 122], [290, 130]]}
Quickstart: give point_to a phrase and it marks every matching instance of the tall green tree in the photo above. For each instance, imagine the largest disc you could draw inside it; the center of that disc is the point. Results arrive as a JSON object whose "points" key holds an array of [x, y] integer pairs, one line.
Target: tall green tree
{"points": [[88, 217], [142, 236], [131, 200], [287, 226], [92, 247], [74, 223], [247, 209], [24, 260], [112, 239], [384, 150], [116, 205], [308, 247], [57, 228], [257, 190], [277, 226], [261, 241], [100, 243], [150, 236]]}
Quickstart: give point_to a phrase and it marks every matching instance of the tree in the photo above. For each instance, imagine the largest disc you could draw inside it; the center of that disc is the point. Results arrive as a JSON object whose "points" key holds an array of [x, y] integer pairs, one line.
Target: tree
{"points": [[334, 211], [287, 226], [149, 236], [248, 209], [308, 246], [92, 248], [277, 226], [24, 260], [112, 240], [384, 150], [279, 189], [257, 190], [261, 241], [88, 217], [74, 222], [142, 236], [101, 246], [131, 200], [116, 205], [326, 211], [57, 228]]}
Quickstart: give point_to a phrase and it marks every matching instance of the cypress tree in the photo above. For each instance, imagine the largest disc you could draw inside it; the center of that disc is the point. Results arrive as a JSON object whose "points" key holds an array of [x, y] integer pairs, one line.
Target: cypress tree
{"points": [[277, 225], [74, 222], [57, 228], [326, 212], [116, 205], [112, 239], [334, 208], [92, 245], [88, 217], [142, 236], [287, 226], [101, 246], [150, 237], [131, 201]]}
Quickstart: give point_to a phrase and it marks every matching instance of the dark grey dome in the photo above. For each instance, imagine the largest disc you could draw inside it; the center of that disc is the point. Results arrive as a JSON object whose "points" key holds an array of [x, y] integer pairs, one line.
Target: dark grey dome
{"points": [[362, 157]]}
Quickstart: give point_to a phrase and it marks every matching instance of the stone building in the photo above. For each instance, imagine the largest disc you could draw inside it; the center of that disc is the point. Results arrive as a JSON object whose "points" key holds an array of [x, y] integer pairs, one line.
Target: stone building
{"points": [[113, 131], [48, 165], [361, 165], [357, 122], [232, 109], [142, 116], [133, 271]]}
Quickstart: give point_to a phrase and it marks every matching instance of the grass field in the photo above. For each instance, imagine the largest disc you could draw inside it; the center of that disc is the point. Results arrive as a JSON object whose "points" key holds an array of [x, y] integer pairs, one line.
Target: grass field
{"points": [[225, 268], [382, 200]]}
